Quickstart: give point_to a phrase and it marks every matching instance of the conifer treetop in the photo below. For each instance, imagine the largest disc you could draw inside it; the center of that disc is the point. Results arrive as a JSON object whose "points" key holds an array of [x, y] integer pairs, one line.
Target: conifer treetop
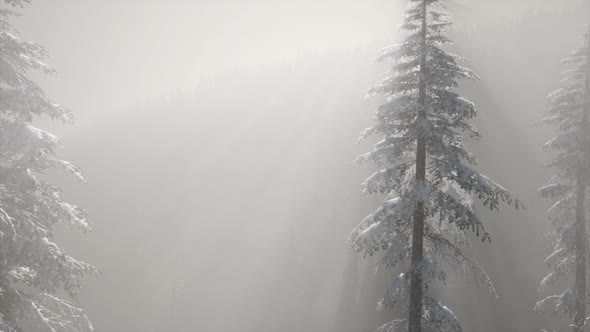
{"points": [[452, 184]]}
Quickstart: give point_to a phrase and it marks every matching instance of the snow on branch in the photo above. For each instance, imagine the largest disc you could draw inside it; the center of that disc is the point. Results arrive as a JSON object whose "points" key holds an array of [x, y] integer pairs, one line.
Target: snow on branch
{"points": [[398, 250], [565, 302], [17, 2], [385, 180], [450, 210], [560, 270], [472, 181], [47, 313], [382, 229], [398, 289], [554, 190], [439, 317], [398, 325], [445, 252], [388, 154]]}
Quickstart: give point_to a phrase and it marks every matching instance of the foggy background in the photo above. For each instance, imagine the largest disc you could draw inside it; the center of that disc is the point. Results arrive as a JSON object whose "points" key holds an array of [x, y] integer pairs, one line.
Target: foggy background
{"points": [[217, 137]]}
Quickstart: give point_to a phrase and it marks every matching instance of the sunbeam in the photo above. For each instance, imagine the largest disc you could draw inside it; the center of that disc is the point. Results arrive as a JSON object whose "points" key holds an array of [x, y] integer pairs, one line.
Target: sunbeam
{"points": [[219, 141]]}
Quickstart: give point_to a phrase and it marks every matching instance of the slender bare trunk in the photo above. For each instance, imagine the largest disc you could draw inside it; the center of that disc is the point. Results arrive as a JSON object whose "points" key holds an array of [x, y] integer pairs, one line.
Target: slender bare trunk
{"points": [[581, 234], [580, 317], [416, 290]]}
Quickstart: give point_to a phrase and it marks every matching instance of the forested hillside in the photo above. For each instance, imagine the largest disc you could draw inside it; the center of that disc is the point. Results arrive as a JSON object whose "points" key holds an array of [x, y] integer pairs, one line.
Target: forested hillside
{"points": [[244, 191]]}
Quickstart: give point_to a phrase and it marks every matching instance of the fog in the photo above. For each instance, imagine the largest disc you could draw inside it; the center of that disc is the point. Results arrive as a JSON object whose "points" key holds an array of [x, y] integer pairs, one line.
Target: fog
{"points": [[218, 140]]}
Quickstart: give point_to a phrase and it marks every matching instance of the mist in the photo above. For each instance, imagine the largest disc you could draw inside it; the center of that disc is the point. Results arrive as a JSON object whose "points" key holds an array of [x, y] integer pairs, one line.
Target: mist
{"points": [[218, 139]]}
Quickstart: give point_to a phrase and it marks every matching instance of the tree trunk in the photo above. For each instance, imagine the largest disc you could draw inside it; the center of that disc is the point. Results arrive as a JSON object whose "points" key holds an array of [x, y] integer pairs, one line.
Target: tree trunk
{"points": [[581, 234], [580, 317], [416, 290]]}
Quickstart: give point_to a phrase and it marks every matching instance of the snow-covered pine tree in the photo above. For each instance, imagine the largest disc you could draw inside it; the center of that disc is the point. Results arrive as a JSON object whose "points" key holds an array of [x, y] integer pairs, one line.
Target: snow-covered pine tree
{"points": [[429, 183], [568, 111], [35, 274]]}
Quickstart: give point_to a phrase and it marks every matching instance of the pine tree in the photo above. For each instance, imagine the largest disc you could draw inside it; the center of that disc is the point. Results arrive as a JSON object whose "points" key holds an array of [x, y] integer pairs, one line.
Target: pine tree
{"points": [[568, 111], [34, 271], [429, 184]]}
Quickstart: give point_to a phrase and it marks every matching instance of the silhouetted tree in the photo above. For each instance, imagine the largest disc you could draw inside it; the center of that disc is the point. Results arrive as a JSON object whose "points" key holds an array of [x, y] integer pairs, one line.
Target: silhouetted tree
{"points": [[568, 111], [429, 185], [34, 271]]}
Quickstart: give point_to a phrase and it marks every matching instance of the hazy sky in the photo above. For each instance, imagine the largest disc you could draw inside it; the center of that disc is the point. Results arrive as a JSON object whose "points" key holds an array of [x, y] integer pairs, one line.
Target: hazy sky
{"points": [[114, 52], [111, 54]]}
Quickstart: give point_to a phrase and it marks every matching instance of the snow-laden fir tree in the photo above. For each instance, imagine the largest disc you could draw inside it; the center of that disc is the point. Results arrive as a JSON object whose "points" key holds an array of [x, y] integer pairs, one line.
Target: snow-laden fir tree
{"points": [[568, 111], [35, 273], [428, 180]]}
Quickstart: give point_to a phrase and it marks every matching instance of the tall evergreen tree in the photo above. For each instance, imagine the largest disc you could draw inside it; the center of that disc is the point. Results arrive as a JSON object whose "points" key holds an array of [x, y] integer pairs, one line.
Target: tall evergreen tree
{"points": [[429, 183], [34, 271], [569, 108]]}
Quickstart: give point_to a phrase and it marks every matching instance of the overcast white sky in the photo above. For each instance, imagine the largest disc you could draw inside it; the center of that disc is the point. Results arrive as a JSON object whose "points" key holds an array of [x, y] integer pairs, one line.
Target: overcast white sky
{"points": [[112, 53]]}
